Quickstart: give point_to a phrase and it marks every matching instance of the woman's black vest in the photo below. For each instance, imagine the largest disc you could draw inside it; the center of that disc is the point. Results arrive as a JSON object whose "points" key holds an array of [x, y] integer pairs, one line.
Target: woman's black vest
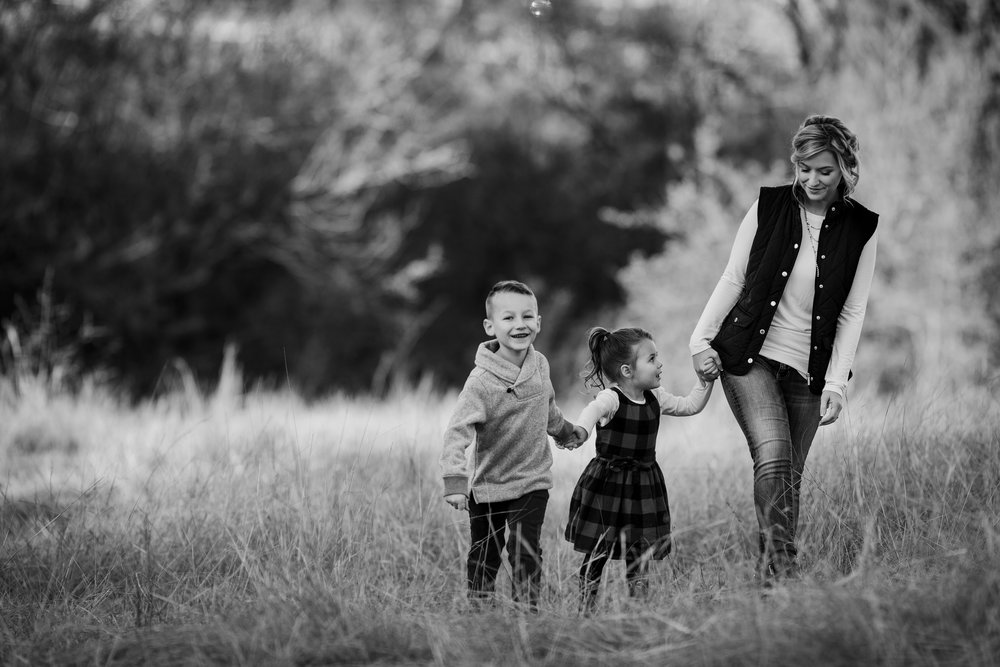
{"points": [[846, 230]]}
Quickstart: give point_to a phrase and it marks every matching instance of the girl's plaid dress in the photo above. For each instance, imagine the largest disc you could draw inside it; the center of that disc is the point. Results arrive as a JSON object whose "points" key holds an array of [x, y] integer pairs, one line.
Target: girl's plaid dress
{"points": [[621, 497]]}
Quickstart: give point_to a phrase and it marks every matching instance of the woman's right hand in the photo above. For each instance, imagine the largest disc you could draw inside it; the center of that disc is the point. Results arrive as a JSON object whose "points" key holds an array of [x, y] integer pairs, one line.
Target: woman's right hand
{"points": [[457, 500], [707, 364]]}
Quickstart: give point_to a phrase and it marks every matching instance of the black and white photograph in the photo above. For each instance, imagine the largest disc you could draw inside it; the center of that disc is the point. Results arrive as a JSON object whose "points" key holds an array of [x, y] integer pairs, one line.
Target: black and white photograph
{"points": [[500, 332]]}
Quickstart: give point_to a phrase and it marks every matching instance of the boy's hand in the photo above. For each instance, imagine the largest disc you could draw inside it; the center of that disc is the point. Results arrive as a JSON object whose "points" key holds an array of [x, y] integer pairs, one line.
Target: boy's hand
{"points": [[458, 501], [579, 437]]}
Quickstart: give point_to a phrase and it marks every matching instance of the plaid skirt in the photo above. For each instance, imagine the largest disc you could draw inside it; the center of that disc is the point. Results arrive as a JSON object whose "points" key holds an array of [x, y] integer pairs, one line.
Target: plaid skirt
{"points": [[620, 505]]}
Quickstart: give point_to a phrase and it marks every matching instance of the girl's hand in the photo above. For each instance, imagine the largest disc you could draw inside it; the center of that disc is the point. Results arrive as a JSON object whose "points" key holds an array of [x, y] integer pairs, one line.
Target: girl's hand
{"points": [[458, 501], [830, 405], [580, 436], [577, 438], [707, 364]]}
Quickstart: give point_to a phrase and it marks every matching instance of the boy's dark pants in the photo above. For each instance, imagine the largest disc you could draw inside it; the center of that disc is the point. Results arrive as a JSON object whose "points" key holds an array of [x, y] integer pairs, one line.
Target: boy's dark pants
{"points": [[522, 517]]}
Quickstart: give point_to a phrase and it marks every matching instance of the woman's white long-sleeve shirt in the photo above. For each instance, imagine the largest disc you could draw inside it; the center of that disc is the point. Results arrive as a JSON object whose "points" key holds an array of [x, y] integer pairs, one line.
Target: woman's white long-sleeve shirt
{"points": [[788, 338]]}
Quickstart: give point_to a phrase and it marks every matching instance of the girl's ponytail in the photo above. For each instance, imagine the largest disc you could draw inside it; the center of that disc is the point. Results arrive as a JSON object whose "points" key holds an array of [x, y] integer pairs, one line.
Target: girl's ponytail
{"points": [[592, 375], [609, 350]]}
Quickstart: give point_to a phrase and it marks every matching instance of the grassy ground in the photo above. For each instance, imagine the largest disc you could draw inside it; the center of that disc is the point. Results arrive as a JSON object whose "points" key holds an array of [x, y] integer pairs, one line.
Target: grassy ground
{"points": [[259, 529]]}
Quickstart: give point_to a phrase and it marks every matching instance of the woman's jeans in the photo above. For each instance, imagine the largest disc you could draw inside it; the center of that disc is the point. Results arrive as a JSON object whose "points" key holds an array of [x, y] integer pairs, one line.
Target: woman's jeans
{"points": [[779, 417], [522, 518]]}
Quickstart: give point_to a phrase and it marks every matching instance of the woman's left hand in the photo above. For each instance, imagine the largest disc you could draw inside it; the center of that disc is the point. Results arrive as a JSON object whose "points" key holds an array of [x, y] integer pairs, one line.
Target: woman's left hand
{"points": [[830, 405]]}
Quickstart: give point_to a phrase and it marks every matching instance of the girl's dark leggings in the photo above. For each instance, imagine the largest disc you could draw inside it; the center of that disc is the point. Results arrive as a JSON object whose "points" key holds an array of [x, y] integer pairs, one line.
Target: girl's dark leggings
{"points": [[636, 571]]}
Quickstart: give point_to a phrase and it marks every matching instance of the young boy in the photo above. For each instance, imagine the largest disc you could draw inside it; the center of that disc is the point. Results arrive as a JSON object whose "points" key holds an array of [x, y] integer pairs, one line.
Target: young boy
{"points": [[505, 410]]}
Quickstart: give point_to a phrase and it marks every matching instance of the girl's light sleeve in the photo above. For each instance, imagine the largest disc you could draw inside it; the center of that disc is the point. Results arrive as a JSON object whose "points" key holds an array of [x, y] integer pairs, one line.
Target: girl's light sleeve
{"points": [[852, 317], [470, 412], [729, 288], [684, 406], [598, 411]]}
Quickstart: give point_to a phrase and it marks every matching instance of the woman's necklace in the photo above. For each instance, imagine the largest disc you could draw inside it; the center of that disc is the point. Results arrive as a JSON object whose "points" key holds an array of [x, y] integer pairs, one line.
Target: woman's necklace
{"points": [[812, 239]]}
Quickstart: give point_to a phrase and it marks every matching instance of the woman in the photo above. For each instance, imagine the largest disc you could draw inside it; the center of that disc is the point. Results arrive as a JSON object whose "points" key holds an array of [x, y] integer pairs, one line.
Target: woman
{"points": [[783, 323]]}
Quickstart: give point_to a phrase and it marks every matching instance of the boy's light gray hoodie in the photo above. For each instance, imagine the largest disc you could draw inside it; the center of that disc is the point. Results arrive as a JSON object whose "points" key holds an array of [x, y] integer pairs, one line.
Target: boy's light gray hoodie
{"points": [[505, 413]]}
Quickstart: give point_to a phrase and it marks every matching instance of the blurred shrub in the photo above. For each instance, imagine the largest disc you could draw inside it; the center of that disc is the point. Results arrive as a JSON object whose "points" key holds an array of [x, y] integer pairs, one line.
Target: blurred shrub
{"points": [[41, 347]]}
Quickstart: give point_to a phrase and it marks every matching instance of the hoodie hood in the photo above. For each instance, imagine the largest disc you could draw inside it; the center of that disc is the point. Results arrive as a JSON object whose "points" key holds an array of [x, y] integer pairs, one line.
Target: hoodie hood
{"points": [[510, 374]]}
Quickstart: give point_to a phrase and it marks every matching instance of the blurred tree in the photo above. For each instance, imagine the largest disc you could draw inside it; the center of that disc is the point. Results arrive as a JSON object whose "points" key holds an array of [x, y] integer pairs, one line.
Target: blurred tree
{"points": [[331, 187], [503, 148], [917, 80], [984, 30], [146, 165], [934, 153]]}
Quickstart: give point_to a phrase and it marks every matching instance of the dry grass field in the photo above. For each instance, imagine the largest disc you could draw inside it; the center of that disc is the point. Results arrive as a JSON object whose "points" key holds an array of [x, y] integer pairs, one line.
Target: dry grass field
{"points": [[244, 529]]}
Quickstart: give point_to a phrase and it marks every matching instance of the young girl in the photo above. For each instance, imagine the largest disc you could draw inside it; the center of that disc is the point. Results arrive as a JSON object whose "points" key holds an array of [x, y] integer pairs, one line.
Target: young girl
{"points": [[619, 506]]}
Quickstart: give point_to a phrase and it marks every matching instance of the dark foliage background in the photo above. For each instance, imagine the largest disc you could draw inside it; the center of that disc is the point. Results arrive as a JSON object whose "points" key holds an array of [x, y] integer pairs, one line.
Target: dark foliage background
{"points": [[332, 186]]}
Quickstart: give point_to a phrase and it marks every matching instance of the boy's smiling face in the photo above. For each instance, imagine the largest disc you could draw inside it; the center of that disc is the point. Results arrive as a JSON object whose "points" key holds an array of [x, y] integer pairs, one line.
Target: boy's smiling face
{"points": [[514, 321]]}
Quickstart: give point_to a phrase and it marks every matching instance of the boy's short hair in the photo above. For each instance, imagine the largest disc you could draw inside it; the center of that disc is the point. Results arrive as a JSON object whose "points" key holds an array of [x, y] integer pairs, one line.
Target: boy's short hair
{"points": [[515, 286]]}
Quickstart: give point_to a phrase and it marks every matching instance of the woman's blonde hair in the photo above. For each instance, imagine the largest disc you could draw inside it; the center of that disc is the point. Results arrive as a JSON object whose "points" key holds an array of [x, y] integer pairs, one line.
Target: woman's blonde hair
{"points": [[825, 133]]}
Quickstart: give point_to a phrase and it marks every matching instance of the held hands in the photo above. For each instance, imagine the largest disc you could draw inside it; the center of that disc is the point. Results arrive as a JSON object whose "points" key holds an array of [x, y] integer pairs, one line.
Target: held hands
{"points": [[707, 364], [830, 405], [458, 501], [579, 437]]}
